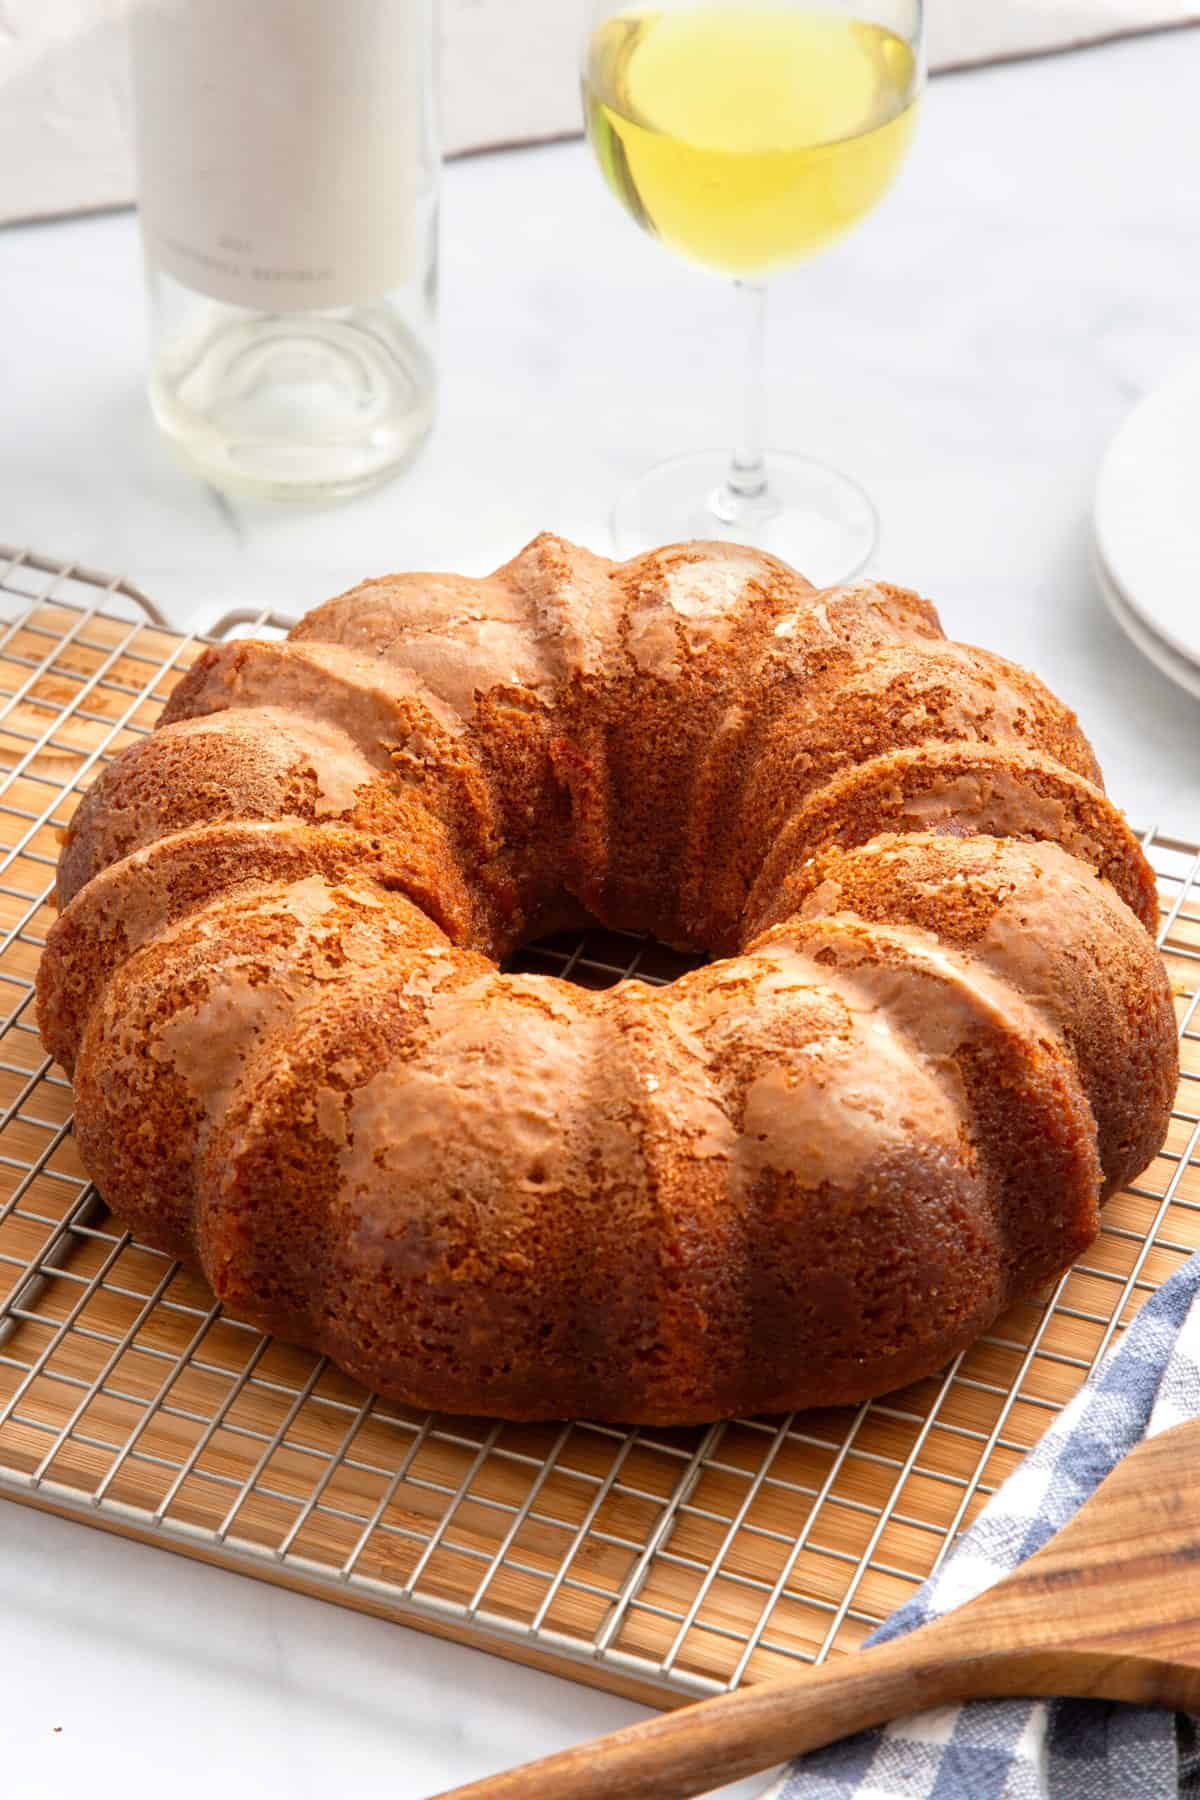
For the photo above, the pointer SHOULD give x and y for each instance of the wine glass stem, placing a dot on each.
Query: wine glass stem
(747, 477)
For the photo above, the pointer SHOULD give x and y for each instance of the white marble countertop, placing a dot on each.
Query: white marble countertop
(967, 355)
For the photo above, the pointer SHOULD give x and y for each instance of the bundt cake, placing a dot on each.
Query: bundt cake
(935, 1035)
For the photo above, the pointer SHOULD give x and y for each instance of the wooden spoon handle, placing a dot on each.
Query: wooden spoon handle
(700, 1747)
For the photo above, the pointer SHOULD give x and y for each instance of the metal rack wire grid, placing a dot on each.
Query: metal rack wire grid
(667, 1564)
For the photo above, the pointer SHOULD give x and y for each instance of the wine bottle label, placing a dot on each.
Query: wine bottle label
(282, 145)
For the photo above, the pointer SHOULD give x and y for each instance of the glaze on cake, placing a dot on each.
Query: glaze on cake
(937, 1031)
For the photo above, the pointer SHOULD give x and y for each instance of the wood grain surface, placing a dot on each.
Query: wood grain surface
(1109, 1608)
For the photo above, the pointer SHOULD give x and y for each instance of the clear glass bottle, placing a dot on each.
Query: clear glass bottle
(288, 175)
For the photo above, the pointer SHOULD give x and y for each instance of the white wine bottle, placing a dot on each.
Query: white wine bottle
(288, 178)
(748, 137)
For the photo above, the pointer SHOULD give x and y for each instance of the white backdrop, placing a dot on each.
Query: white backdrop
(508, 77)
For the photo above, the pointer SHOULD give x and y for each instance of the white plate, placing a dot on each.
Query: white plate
(1147, 513)
(1180, 669)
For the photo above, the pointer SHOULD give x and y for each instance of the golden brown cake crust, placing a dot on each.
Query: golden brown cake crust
(936, 1034)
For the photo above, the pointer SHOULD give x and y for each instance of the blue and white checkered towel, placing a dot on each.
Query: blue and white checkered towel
(1040, 1749)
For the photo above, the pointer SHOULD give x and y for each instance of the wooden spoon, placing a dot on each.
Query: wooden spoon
(1109, 1608)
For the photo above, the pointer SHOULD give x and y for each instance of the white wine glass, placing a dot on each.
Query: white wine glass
(747, 135)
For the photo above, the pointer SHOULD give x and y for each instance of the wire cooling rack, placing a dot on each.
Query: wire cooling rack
(666, 1564)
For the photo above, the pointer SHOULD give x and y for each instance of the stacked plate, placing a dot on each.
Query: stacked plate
(1147, 527)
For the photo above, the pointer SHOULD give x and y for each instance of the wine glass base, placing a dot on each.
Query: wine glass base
(811, 516)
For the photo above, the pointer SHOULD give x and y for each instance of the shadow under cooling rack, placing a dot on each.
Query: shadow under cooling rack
(664, 1564)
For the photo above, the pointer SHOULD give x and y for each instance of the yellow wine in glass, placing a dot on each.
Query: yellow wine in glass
(746, 140)
(747, 137)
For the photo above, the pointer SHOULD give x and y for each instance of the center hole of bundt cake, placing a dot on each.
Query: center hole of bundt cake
(597, 957)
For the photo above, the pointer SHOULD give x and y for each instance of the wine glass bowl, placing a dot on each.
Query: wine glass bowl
(748, 135)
